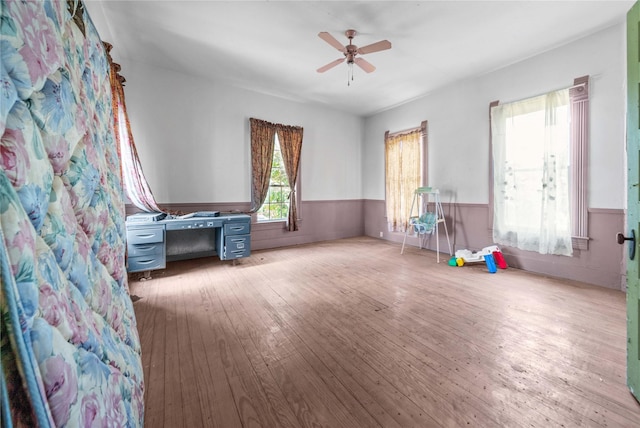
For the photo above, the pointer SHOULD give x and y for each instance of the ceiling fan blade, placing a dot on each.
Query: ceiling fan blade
(365, 65)
(331, 40)
(330, 65)
(375, 47)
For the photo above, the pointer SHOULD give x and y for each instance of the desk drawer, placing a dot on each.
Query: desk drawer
(147, 235)
(241, 242)
(237, 228)
(141, 263)
(145, 249)
(236, 247)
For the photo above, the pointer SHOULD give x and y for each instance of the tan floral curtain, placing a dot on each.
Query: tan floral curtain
(291, 146)
(135, 183)
(262, 142)
(403, 176)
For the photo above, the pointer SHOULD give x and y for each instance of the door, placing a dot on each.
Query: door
(633, 203)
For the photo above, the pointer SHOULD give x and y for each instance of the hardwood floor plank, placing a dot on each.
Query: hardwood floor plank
(203, 384)
(255, 336)
(224, 405)
(145, 316)
(432, 355)
(399, 369)
(587, 354)
(363, 381)
(154, 375)
(260, 314)
(584, 374)
(249, 392)
(173, 410)
(187, 365)
(351, 333)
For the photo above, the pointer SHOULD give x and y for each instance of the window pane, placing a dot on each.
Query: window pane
(276, 205)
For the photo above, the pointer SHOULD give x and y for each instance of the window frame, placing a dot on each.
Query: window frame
(579, 99)
(579, 150)
(424, 155)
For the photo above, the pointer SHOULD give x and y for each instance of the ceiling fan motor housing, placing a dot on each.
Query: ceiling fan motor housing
(350, 53)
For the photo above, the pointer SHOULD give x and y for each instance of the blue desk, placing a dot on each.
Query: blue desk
(150, 244)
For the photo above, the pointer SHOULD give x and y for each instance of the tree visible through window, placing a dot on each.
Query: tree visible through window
(276, 204)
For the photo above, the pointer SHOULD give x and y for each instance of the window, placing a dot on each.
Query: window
(275, 162)
(134, 182)
(539, 179)
(405, 166)
(276, 203)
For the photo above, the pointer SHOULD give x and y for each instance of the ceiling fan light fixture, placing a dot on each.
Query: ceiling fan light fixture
(350, 53)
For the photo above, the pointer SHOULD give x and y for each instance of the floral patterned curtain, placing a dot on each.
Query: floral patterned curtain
(291, 146)
(262, 142)
(135, 183)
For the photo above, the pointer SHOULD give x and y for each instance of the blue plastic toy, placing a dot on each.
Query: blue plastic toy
(491, 263)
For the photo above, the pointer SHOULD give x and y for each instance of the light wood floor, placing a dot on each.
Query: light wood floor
(350, 333)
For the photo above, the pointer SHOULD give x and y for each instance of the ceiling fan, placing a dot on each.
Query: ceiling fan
(351, 51)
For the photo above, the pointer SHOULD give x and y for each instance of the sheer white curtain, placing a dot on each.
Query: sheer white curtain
(531, 155)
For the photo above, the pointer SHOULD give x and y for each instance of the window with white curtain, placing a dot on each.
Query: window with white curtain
(531, 143)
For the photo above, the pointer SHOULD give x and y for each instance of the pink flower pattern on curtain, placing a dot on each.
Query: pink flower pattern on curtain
(135, 184)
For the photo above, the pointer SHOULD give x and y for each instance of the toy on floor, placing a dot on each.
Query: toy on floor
(491, 255)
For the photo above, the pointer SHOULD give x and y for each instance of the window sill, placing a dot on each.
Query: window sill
(579, 243)
(270, 221)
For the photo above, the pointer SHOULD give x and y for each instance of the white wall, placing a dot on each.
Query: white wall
(193, 138)
(459, 127)
(193, 135)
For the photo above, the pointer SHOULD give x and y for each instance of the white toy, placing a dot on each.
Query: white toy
(478, 256)
(490, 255)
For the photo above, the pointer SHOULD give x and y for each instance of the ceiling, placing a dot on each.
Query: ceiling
(273, 46)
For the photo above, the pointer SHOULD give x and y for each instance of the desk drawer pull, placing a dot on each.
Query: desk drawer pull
(139, 263)
(146, 250)
(237, 228)
(145, 236)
